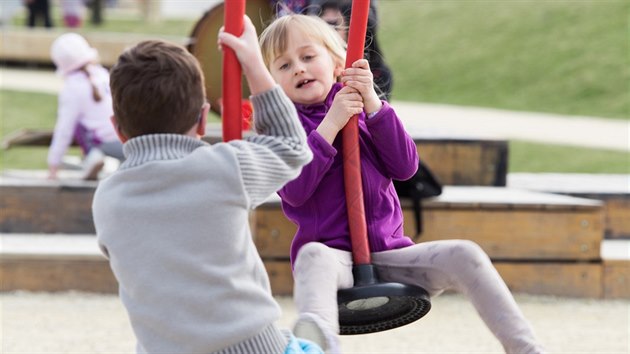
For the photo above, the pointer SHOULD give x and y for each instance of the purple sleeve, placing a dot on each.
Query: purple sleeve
(395, 147)
(299, 190)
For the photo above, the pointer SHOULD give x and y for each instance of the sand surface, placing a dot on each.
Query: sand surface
(90, 323)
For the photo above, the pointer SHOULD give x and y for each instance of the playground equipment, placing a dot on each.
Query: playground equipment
(203, 45)
(371, 305)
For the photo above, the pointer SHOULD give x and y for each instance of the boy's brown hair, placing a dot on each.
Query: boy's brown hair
(157, 88)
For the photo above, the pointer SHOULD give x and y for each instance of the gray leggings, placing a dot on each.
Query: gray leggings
(436, 266)
(113, 149)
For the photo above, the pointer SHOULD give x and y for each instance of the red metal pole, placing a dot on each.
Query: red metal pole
(232, 73)
(350, 136)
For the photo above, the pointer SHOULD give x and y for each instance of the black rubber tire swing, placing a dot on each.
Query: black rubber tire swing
(371, 305)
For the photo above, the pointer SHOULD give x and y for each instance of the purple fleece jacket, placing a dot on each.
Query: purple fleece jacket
(316, 202)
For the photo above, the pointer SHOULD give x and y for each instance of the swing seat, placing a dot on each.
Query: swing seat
(371, 306)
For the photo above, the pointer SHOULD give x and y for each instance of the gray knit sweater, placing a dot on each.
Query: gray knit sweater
(173, 222)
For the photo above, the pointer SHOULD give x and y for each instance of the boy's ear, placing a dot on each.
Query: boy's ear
(201, 126)
(123, 138)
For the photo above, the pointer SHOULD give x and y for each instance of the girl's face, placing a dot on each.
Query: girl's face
(306, 71)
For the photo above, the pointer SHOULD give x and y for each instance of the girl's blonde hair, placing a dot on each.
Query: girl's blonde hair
(96, 95)
(273, 40)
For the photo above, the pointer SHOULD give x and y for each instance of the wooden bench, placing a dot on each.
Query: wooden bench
(33, 45)
(36, 262)
(32, 204)
(540, 243)
(616, 269)
(509, 224)
(612, 190)
(454, 161)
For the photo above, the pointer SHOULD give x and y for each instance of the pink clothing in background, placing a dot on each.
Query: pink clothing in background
(77, 108)
(72, 12)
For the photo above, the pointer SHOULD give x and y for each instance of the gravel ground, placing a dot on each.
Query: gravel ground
(90, 323)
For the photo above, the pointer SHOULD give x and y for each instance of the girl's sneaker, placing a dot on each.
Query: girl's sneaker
(312, 327)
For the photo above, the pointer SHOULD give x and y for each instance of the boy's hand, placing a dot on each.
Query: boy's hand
(346, 104)
(246, 46)
(248, 53)
(360, 78)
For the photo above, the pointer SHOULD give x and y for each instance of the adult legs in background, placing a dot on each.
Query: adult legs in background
(30, 19)
(463, 266)
(36, 9)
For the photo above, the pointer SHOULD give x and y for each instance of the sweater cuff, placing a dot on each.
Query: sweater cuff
(270, 340)
(269, 105)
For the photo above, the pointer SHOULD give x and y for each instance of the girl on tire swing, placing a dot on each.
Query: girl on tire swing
(306, 58)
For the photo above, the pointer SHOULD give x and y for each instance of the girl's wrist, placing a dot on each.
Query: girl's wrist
(373, 106)
(328, 131)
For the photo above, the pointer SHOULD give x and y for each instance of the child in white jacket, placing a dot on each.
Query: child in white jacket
(84, 108)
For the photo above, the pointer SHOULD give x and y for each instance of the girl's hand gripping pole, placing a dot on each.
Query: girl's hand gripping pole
(350, 136)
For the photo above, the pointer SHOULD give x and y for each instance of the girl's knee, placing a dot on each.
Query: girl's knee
(470, 252)
(313, 254)
(312, 250)
(315, 259)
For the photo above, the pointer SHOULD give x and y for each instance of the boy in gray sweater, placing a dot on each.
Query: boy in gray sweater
(173, 220)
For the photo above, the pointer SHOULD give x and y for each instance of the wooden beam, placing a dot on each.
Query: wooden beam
(46, 206)
(617, 210)
(517, 234)
(612, 189)
(556, 278)
(507, 224)
(540, 278)
(616, 263)
(465, 162)
(40, 274)
(33, 44)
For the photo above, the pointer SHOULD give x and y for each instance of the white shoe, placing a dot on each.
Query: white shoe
(312, 327)
(71, 162)
(93, 164)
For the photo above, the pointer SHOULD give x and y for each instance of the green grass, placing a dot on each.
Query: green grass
(567, 57)
(20, 110)
(533, 157)
(559, 56)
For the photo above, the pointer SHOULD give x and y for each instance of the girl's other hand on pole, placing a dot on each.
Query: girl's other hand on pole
(361, 79)
(347, 103)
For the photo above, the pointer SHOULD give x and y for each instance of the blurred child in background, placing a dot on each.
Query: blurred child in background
(72, 12)
(84, 108)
